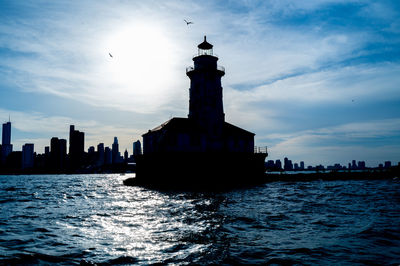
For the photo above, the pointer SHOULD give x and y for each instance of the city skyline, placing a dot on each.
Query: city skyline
(316, 81)
(58, 155)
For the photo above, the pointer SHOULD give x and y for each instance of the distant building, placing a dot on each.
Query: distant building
(47, 150)
(388, 164)
(27, 156)
(137, 148)
(115, 151)
(288, 166)
(107, 156)
(126, 155)
(270, 165)
(361, 165)
(278, 164)
(91, 150)
(6, 147)
(58, 153)
(100, 154)
(301, 165)
(76, 147)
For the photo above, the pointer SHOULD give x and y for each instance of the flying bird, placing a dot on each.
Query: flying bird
(110, 55)
(188, 22)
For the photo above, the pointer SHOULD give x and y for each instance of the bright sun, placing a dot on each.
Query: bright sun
(142, 61)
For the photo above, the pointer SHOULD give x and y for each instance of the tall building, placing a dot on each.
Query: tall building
(27, 156)
(137, 148)
(115, 151)
(288, 165)
(126, 155)
(6, 147)
(76, 147)
(278, 164)
(107, 156)
(58, 153)
(6, 137)
(100, 154)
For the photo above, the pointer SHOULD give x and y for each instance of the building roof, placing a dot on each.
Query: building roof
(205, 45)
(180, 124)
(177, 124)
(234, 130)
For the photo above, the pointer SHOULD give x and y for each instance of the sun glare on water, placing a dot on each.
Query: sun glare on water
(141, 62)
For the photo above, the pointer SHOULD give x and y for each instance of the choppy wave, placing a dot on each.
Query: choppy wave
(94, 219)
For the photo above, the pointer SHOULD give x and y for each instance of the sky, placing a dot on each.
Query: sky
(316, 81)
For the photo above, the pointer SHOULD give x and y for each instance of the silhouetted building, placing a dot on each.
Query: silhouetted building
(6, 147)
(301, 165)
(27, 156)
(100, 154)
(14, 161)
(137, 148)
(288, 166)
(388, 164)
(278, 164)
(47, 150)
(115, 151)
(76, 147)
(91, 150)
(270, 164)
(126, 156)
(353, 164)
(203, 144)
(361, 165)
(205, 129)
(58, 153)
(107, 156)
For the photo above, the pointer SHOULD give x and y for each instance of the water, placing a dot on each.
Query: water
(79, 219)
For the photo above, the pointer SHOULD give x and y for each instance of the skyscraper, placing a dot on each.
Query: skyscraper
(6, 147)
(115, 150)
(100, 154)
(27, 156)
(76, 147)
(6, 137)
(137, 148)
(107, 156)
(58, 153)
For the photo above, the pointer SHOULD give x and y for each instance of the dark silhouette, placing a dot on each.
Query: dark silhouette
(110, 55)
(188, 22)
(202, 150)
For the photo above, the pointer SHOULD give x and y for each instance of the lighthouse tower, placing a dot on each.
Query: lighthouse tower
(203, 150)
(205, 103)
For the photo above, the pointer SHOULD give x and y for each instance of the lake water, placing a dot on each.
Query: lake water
(87, 219)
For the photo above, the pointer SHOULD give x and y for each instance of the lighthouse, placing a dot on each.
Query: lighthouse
(205, 103)
(203, 145)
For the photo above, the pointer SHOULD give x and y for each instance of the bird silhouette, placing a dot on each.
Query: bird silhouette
(188, 22)
(110, 55)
